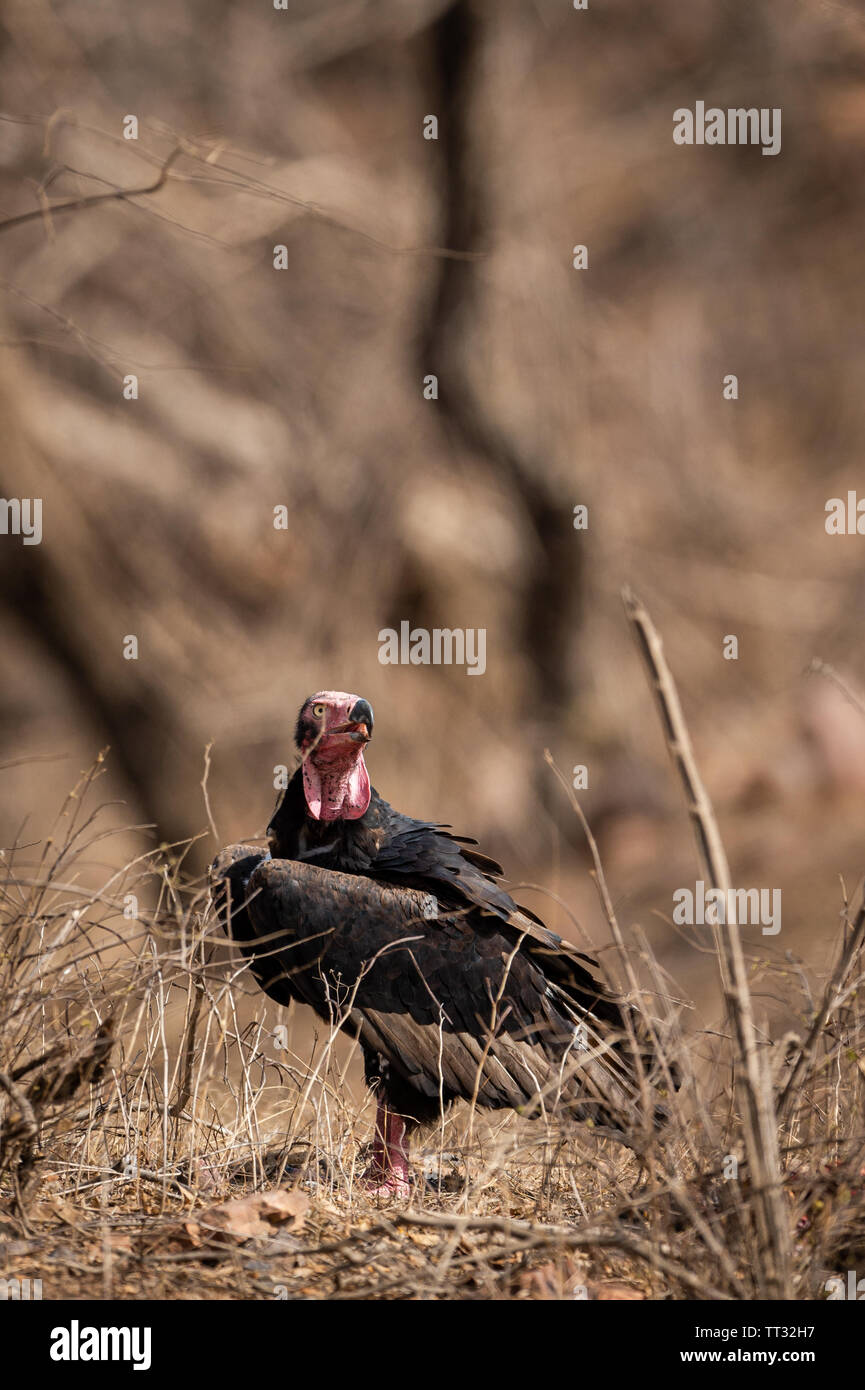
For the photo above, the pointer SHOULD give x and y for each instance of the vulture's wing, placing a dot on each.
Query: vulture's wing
(428, 857)
(230, 875)
(456, 1010)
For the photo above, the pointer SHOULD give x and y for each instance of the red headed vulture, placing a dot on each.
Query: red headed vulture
(401, 932)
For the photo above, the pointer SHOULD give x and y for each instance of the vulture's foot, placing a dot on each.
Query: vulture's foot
(388, 1187)
(389, 1174)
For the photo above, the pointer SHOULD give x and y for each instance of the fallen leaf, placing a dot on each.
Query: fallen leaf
(615, 1290)
(257, 1215)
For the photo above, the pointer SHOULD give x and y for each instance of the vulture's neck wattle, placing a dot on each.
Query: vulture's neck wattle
(336, 790)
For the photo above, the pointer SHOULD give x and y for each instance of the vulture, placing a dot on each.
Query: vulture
(401, 933)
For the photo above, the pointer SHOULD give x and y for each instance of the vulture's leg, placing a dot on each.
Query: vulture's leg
(388, 1175)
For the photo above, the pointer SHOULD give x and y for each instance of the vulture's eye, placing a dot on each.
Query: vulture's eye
(318, 711)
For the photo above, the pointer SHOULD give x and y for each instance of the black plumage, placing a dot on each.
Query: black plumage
(401, 931)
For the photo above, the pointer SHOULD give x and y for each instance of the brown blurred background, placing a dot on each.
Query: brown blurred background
(304, 387)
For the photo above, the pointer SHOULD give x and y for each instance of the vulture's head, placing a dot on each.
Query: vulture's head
(333, 729)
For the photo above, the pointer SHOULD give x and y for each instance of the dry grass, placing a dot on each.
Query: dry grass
(149, 1177)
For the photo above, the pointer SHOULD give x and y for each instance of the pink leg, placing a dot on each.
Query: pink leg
(389, 1175)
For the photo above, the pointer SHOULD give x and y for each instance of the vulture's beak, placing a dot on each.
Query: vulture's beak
(358, 732)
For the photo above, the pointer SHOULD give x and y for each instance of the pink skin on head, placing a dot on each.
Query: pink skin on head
(335, 779)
